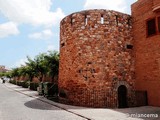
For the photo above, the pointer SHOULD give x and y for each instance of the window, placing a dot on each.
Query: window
(129, 21)
(151, 27)
(129, 46)
(71, 21)
(159, 24)
(86, 20)
(102, 19)
(117, 19)
(63, 44)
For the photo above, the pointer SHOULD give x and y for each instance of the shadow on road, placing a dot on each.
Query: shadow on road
(37, 104)
(129, 113)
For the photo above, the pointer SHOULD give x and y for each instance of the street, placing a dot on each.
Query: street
(17, 106)
(17, 103)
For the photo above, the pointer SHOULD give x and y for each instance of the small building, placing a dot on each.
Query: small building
(2, 68)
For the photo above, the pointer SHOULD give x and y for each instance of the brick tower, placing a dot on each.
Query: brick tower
(96, 60)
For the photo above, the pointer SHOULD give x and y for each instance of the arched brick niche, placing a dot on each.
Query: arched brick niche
(95, 54)
(131, 100)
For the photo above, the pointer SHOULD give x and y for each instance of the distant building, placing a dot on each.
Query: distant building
(3, 69)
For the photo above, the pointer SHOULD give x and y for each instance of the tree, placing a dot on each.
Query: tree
(52, 61)
(22, 71)
(30, 69)
(2, 74)
(41, 66)
(15, 72)
(8, 74)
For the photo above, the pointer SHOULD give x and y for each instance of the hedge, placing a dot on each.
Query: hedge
(25, 84)
(12, 81)
(33, 86)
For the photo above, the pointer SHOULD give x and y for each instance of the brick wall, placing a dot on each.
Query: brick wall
(96, 58)
(147, 51)
(35, 79)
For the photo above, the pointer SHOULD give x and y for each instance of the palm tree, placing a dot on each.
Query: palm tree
(41, 66)
(30, 69)
(15, 72)
(52, 61)
(22, 71)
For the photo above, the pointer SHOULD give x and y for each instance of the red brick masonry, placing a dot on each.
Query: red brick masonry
(96, 57)
(102, 50)
(147, 49)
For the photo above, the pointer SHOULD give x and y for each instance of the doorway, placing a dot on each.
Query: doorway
(122, 97)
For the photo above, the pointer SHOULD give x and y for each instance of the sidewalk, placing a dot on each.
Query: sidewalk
(149, 112)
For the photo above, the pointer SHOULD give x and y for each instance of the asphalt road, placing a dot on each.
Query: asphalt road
(17, 106)
(17, 103)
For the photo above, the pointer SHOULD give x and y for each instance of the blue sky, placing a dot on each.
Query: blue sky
(30, 27)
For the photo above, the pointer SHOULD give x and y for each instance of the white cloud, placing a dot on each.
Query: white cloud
(45, 34)
(21, 62)
(35, 12)
(50, 48)
(118, 5)
(9, 28)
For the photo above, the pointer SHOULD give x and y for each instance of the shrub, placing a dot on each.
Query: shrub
(62, 94)
(25, 84)
(33, 86)
(12, 81)
(41, 89)
(20, 83)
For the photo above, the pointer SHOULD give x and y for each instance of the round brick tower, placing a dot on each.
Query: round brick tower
(96, 62)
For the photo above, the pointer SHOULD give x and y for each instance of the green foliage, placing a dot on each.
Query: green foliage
(13, 82)
(15, 72)
(52, 60)
(19, 83)
(2, 74)
(6, 74)
(50, 89)
(24, 84)
(41, 89)
(33, 86)
(42, 65)
(30, 68)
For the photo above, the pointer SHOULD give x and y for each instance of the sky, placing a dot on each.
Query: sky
(31, 27)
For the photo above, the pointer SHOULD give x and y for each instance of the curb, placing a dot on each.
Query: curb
(48, 102)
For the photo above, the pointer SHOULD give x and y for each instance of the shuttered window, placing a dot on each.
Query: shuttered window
(151, 27)
(159, 24)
